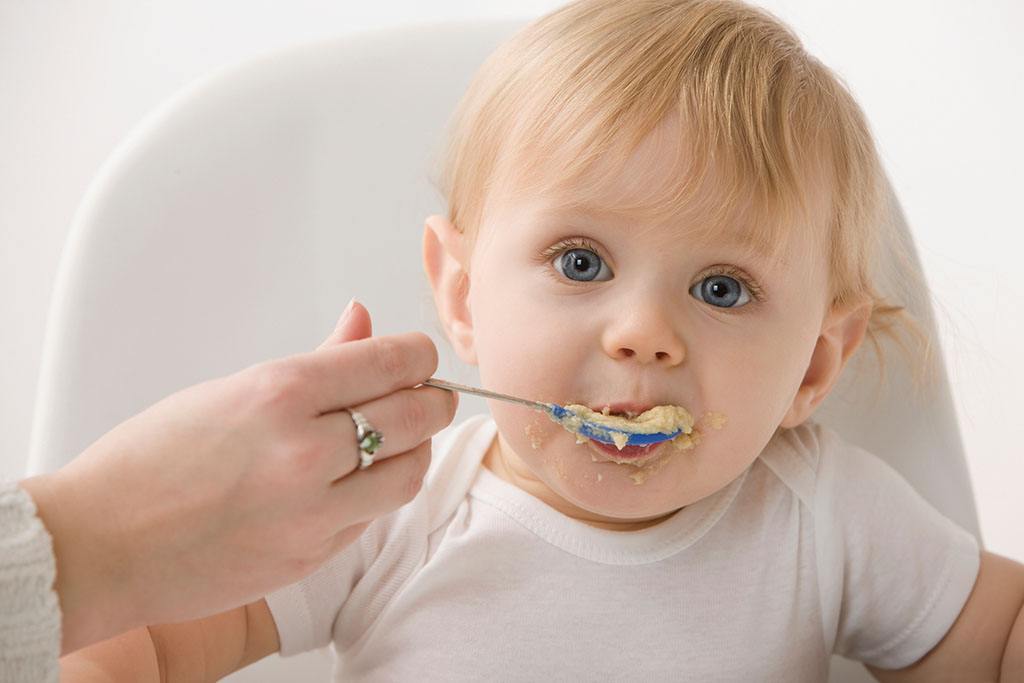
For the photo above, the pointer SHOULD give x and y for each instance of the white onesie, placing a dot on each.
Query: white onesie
(818, 547)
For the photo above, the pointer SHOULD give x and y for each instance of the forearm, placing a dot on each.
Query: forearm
(1012, 668)
(93, 609)
(195, 651)
(130, 656)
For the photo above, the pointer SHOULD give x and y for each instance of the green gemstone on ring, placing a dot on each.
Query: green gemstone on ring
(370, 443)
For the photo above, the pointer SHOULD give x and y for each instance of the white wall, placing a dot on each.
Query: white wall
(941, 83)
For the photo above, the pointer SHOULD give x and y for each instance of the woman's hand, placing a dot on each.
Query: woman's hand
(229, 489)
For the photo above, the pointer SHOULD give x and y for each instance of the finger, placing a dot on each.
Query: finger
(353, 324)
(358, 371)
(406, 418)
(380, 489)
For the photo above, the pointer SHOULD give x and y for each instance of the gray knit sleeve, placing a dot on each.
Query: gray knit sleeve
(30, 619)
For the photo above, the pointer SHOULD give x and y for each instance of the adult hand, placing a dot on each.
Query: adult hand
(229, 489)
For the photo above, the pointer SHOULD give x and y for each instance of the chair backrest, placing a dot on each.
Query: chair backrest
(237, 220)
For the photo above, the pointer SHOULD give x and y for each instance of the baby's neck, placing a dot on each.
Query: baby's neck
(503, 463)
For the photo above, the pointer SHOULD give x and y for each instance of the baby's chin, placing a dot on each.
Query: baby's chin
(616, 492)
(679, 474)
(584, 476)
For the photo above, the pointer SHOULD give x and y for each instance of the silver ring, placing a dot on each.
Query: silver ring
(368, 439)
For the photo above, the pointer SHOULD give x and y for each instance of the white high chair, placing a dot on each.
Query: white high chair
(236, 221)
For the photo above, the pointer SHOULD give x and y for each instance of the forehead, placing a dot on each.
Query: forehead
(662, 186)
(689, 228)
(557, 213)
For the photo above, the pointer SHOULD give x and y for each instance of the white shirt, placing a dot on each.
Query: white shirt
(818, 547)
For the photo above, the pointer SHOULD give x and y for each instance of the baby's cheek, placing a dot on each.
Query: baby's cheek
(522, 428)
(530, 434)
(536, 433)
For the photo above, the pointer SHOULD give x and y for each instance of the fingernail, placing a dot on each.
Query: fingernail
(348, 311)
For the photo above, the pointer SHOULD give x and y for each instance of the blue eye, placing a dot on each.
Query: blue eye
(721, 291)
(582, 265)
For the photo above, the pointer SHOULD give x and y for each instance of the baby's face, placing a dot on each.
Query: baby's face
(601, 311)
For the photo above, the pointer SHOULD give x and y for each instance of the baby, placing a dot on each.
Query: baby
(652, 203)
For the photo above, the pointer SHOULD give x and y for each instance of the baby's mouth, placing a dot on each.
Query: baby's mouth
(638, 418)
(652, 417)
(626, 410)
(615, 424)
(632, 455)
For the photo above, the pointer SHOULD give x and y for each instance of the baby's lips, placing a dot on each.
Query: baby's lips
(627, 408)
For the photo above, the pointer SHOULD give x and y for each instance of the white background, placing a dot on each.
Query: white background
(941, 84)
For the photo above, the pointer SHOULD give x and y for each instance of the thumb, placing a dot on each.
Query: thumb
(353, 324)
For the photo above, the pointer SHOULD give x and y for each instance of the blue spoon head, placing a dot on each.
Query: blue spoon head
(558, 412)
(604, 434)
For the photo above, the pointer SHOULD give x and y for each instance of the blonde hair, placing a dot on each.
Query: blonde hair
(756, 117)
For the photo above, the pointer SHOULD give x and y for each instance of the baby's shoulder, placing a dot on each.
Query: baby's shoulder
(812, 458)
(456, 454)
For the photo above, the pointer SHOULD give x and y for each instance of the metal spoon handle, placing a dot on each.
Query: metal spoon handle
(452, 386)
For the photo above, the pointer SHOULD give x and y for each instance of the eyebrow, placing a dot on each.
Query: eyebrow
(730, 239)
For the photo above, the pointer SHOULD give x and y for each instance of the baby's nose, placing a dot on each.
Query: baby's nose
(645, 336)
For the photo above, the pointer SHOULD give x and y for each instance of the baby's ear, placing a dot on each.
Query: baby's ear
(841, 333)
(446, 262)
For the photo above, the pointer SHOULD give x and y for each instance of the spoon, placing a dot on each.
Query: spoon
(591, 430)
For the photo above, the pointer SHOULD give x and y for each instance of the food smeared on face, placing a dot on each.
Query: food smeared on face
(659, 419)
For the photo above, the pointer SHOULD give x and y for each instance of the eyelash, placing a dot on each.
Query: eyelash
(566, 245)
(569, 243)
(755, 290)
